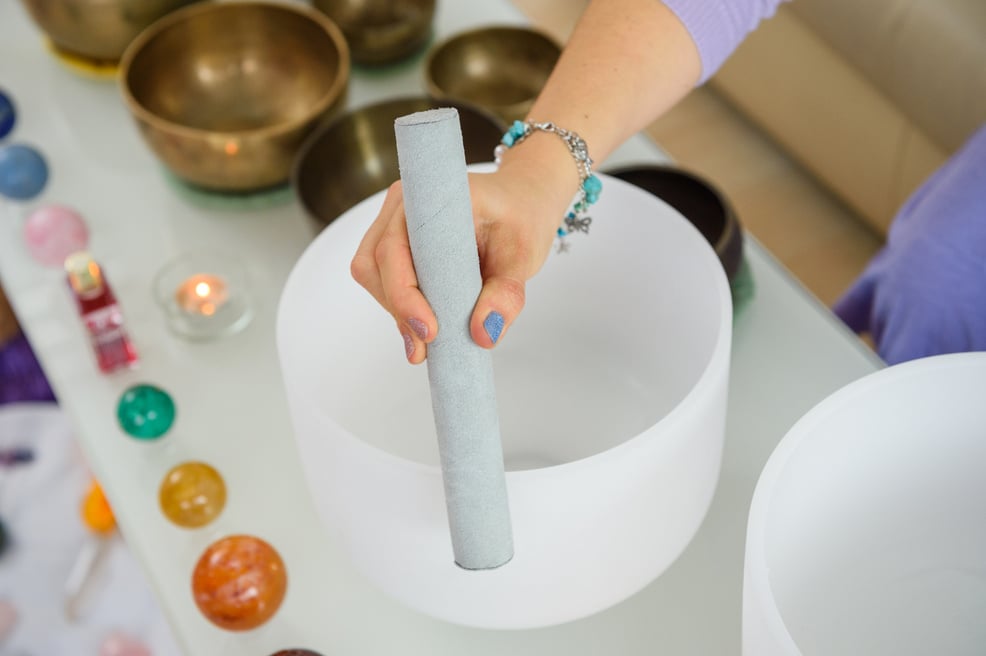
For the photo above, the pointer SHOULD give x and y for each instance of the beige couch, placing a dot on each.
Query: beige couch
(869, 95)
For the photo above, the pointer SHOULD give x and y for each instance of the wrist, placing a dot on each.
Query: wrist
(589, 188)
(548, 171)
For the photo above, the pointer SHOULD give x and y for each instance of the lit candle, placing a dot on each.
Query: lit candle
(201, 294)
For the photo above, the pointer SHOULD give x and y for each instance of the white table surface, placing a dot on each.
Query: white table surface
(788, 353)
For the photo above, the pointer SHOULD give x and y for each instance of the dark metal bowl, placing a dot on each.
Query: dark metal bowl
(501, 69)
(381, 31)
(226, 93)
(355, 156)
(699, 201)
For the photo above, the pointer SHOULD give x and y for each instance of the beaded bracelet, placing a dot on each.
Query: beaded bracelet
(577, 219)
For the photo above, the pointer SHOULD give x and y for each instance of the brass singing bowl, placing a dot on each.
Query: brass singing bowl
(98, 30)
(226, 93)
(501, 69)
(381, 31)
(699, 201)
(355, 156)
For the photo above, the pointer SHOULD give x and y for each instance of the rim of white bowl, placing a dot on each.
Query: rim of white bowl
(755, 557)
(718, 359)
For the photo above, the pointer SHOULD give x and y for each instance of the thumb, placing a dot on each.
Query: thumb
(499, 303)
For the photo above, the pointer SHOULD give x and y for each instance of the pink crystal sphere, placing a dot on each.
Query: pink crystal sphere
(53, 232)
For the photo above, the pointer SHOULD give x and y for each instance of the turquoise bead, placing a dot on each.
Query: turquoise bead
(146, 412)
(507, 140)
(518, 128)
(592, 185)
(591, 197)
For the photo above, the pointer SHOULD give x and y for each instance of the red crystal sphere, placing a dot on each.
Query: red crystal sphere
(239, 582)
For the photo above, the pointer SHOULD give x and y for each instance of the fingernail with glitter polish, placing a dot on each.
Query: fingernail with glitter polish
(419, 327)
(408, 345)
(493, 325)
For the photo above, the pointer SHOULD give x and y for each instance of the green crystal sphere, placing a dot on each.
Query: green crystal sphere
(146, 412)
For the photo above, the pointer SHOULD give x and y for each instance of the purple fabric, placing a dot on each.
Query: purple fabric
(719, 26)
(925, 292)
(21, 377)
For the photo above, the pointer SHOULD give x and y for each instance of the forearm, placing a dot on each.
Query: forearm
(626, 62)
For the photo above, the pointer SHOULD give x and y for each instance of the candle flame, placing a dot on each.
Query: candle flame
(202, 289)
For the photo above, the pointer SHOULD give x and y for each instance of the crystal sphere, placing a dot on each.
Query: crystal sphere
(8, 115)
(192, 494)
(53, 232)
(96, 511)
(146, 412)
(23, 172)
(121, 644)
(239, 582)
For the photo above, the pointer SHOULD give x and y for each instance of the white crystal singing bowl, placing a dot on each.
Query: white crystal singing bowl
(611, 389)
(867, 530)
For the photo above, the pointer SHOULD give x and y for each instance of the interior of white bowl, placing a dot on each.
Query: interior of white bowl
(867, 532)
(614, 335)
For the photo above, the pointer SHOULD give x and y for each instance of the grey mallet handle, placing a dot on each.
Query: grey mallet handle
(443, 247)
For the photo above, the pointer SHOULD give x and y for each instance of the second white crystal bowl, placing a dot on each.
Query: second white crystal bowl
(867, 531)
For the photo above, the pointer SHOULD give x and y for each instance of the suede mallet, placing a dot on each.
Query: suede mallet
(443, 247)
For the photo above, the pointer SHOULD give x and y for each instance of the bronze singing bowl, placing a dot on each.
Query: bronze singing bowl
(698, 201)
(98, 30)
(381, 31)
(501, 69)
(356, 155)
(226, 93)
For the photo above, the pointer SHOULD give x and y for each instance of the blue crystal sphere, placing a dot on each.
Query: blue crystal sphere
(23, 172)
(7, 115)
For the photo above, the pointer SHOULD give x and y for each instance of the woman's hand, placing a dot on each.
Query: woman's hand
(516, 210)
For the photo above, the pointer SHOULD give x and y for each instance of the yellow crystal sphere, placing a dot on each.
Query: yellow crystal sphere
(192, 494)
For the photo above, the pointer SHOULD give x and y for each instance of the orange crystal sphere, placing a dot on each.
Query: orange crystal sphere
(192, 494)
(239, 582)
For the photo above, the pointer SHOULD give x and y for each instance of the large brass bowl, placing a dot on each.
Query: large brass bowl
(381, 31)
(356, 155)
(501, 69)
(226, 93)
(97, 29)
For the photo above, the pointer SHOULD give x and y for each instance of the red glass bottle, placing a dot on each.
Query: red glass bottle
(100, 313)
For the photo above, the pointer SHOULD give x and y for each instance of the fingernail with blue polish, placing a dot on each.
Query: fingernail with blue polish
(493, 325)
(408, 345)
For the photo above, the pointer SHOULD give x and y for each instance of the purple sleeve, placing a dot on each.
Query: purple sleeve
(719, 26)
(925, 292)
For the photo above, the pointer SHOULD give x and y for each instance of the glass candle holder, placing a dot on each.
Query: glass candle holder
(204, 295)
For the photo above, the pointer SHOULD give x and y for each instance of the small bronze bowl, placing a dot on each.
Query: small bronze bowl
(501, 69)
(381, 31)
(356, 155)
(699, 202)
(226, 93)
(97, 30)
